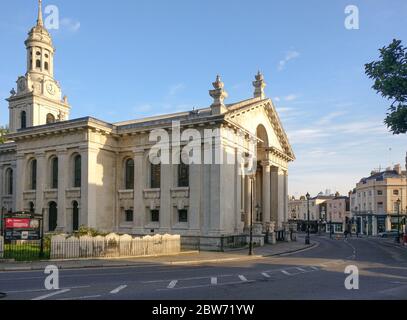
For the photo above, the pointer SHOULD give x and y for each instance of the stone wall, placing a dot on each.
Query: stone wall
(113, 245)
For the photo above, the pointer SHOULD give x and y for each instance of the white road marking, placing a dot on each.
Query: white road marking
(118, 289)
(315, 268)
(301, 269)
(52, 294)
(81, 298)
(265, 275)
(172, 284)
(243, 278)
(41, 290)
(286, 273)
(214, 281)
(206, 285)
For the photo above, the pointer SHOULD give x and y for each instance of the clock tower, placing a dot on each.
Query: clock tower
(38, 99)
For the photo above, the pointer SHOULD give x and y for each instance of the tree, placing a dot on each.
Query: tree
(3, 132)
(390, 80)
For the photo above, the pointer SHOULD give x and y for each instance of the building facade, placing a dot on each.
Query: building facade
(338, 214)
(379, 202)
(298, 212)
(98, 174)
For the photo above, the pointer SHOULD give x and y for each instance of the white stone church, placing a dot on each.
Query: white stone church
(98, 174)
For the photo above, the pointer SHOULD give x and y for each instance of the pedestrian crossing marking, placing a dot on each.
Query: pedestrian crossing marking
(243, 278)
(172, 284)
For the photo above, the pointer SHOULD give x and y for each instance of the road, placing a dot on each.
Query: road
(317, 273)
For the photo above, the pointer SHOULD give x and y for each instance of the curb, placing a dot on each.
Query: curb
(165, 263)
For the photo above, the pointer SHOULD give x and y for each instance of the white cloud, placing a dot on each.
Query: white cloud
(290, 97)
(329, 117)
(70, 24)
(176, 88)
(290, 55)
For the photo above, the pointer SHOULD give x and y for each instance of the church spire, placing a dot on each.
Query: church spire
(40, 22)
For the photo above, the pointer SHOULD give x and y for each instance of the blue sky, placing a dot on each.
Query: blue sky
(124, 59)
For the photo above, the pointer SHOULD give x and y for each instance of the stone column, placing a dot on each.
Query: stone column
(139, 186)
(247, 202)
(374, 226)
(266, 193)
(275, 194)
(286, 197)
(63, 176)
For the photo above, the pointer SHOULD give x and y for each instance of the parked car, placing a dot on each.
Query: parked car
(389, 234)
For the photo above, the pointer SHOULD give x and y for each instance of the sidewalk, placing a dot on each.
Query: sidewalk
(185, 258)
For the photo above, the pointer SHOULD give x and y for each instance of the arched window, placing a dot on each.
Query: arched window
(183, 174)
(38, 64)
(9, 181)
(75, 216)
(77, 171)
(54, 173)
(155, 182)
(23, 120)
(33, 177)
(46, 65)
(32, 207)
(52, 216)
(129, 174)
(50, 118)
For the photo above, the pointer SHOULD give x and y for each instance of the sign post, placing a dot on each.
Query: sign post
(22, 226)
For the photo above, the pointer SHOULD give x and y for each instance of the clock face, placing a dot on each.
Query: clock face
(50, 88)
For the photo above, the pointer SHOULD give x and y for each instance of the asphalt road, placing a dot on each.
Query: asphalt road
(317, 273)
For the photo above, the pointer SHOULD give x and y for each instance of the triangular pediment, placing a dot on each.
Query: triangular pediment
(250, 113)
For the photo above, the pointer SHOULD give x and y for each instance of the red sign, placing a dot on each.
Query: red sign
(17, 223)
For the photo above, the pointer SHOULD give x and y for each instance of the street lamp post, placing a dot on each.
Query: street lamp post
(307, 238)
(398, 220)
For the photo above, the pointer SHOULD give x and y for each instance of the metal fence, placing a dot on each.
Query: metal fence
(26, 250)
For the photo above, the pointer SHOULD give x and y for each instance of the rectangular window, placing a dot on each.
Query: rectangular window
(379, 192)
(129, 215)
(155, 215)
(183, 175)
(155, 176)
(183, 215)
(395, 192)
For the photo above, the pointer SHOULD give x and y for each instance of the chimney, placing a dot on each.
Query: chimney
(397, 168)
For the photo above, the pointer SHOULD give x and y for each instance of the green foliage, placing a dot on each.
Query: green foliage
(390, 80)
(3, 132)
(86, 231)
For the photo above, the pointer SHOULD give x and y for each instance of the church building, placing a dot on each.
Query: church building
(98, 174)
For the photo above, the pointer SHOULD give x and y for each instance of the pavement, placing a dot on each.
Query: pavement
(184, 258)
(316, 272)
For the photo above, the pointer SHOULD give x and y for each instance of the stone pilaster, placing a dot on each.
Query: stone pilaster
(139, 185)
(20, 182)
(41, 180)
(63, 176)
(195, 180)
(165, 200)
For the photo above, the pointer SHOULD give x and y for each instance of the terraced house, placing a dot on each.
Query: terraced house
(98, 174)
